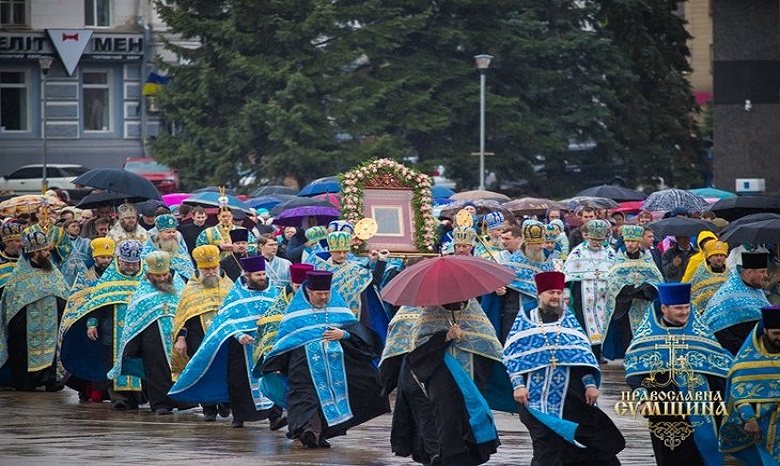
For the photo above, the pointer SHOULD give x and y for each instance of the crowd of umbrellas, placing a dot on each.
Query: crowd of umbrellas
(753, 218)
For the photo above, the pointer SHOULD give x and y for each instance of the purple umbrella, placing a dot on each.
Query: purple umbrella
(294, 217)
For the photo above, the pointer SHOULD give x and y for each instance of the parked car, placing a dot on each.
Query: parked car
(29, 178)
(164, 178)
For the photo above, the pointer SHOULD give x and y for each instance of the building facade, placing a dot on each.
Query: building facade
(88, 107)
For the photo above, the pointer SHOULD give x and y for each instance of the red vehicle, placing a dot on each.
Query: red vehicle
(164, 178)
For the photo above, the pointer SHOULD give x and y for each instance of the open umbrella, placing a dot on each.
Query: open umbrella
(629, 207)
(334, 199)
(670, 199)
(479, 194)
(275, 189)
(680, 226)
(97, 199)
(616, 193)
(712, 192)
(268, 201)
(531, 206)
(329, 184)
(441, 192)
(294, 216)
(765, 231)
(175, 198)
(299, 202)
(445, 280)
(118, 180)
(482, 206)
(28, 204)
(588, 201)
(211, 199)
(736, 207)
(214, 189)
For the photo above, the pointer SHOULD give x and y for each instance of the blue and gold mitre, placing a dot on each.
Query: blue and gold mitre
(339, 241)
(551, 232)
(464, 235)
(130, 250)
(158, 262)
(316, 233)
(533, 232)
(598, 229)
(494, 220)
(341, 225)
(632, 232)
(11, 232)
(165, 222)
(34, 240)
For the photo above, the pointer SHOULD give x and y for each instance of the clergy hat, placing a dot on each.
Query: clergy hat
(754, 260)
(130, 250)
(316, 233)
(671, 294)
(771, 316)
(206, 256)
(341, 225)
(339, 241)
(127, 211)
(102, 247)
(34, 240)
(253, 264)
(298, 272)
(464, 235)
(238, 235)
(533, 232)
(546, 281)
(158, 262)
(551, 232)
(712, 248)
(632, 232)
(165, 222)
(494, 220)
(11, 231)
(598, 229)
(318, 280)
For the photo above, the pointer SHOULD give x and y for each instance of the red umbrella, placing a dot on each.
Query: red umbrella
(445, 280)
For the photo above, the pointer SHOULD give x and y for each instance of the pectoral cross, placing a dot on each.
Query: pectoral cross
(553, 362)
(672, 343)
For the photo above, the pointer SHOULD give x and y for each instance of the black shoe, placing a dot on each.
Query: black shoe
(121, 405)
(54, 387)
(323, 443)
(223, 410)
(210, 417)
(278, 423)
(83, 397)
(237, 424)
(309, 439)
(163, 411)
(603, 361)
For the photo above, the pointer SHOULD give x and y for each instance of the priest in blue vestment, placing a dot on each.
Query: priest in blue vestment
(555, 377)
(326, 356)
(675, 357)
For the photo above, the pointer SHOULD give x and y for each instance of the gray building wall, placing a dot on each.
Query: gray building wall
(746, 54)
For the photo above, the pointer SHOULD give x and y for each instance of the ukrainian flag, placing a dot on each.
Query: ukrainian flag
(154, 83)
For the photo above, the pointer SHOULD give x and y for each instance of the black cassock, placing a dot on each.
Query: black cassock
(413, 430)
(365, 394)
(457, 444)
(733, 337)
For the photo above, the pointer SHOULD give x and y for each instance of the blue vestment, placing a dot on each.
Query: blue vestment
(734, 303)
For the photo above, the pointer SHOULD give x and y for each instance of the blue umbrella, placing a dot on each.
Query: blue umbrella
(329, 184)
(441, 192)
(269, 201)
(211, 199)
(275, 189)
(712, 192)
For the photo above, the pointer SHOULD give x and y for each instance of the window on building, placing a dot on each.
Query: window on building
(95, 102)
(97, 13)
(13, 101)
(13, 13)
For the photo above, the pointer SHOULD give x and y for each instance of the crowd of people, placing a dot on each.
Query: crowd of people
(227, 312)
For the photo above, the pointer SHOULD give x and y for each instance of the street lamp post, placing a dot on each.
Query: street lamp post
(483, 62)
(45, 64)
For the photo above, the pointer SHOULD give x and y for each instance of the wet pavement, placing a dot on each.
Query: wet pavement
(54, 428)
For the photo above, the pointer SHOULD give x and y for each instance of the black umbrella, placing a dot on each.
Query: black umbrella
(765, 231)
(98, 199)
(680, 226)
(752, 218)
(616, 193)
(214, 189)
(118, 180)
(275, 189)
(590, 201)
(299, 202)
(737, 207)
